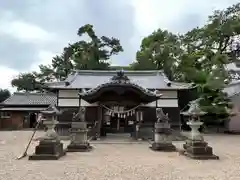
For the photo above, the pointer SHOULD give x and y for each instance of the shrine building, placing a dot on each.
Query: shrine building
(116, 101)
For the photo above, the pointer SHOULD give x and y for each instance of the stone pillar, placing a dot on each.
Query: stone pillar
(162, 132)
(138, 125)
(50, 147)
(195, 147)
(95, 130)
(162, 139)
(98, 124)
(79, 140)
(100, 119)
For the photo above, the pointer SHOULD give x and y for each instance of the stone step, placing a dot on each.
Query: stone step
(117, 142)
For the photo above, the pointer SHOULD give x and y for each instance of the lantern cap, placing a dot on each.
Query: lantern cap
(52, 109)
(194, 109)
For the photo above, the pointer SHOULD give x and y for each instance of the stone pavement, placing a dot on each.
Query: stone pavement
(119, 161)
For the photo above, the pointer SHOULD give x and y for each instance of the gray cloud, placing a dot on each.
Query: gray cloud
(187, 22)
(16, 55)
(63, 18)
(111, 18)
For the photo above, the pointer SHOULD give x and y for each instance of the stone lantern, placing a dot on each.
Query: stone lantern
(50, 147)
(79, 139)
(195, 147)
(162, 139)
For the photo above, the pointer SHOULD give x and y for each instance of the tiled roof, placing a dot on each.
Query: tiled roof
(232, 89)
(120, 81)
(89, 79)
(232, 66)
(22, 109)
(31, 99)
(235, 98)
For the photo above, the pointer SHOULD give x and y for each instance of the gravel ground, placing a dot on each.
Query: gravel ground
(119, 161)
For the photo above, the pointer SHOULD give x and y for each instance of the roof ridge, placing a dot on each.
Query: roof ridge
(235, 94)
(112, 71)
(31, 93)
(6, 99)
(91, 78)
(68, 80)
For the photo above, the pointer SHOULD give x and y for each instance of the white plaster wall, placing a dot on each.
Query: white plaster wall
(68, 102)
(168, 94)
(234, 123)
(73, 100)
(73, 103)
(68, 93)
(233, 89)
(164, 103)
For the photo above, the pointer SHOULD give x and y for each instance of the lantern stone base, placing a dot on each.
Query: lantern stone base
(165, 147)
(79, 147)
(48, 150)
(198, 150)
(162, 139)
(79, 138)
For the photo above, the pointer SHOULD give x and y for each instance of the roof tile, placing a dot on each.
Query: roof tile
(92, 78)
(31, 99)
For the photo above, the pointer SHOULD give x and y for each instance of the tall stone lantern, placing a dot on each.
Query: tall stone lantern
(79, 140)
(162, 132)
(195, 147)
(50, 147)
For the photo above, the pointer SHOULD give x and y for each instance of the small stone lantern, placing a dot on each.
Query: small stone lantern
(162, 139)
(195, 147)
(50, 147)
(79, 139)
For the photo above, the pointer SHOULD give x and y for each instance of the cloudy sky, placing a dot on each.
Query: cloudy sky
(33, 31)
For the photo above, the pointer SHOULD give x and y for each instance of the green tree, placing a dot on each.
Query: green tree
(160, 50)
(83, 54)
(208, 50)
(27, 82)
(199, 56)
(94, 54)
(143, 62)
(62, 65)
(4, 94)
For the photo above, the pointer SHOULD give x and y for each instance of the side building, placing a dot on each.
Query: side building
(233, 91)
(21, 109)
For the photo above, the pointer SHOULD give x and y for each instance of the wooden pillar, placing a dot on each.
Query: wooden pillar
(100, 118)
(118, 124)
(137, 126)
